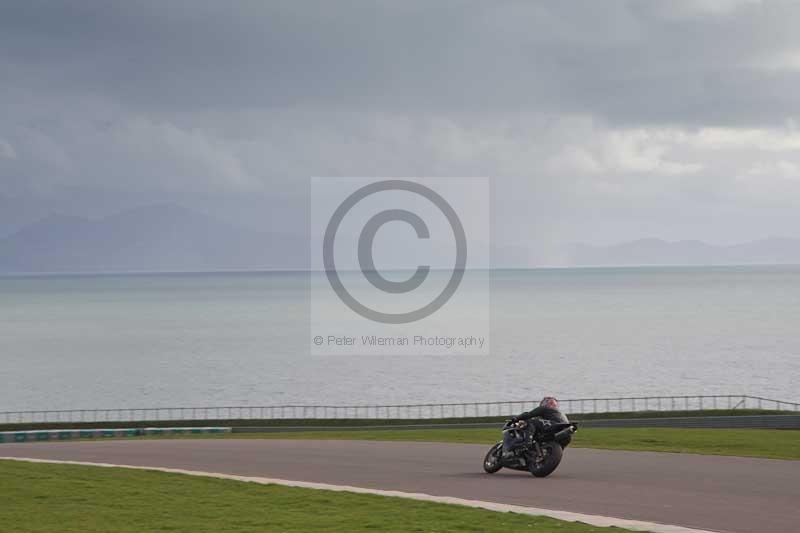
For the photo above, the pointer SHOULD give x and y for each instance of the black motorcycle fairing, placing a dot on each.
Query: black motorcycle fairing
(536, 447)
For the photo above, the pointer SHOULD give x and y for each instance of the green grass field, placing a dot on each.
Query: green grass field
(769, 443)
(332, 422)
(766, 443)
(50, 497)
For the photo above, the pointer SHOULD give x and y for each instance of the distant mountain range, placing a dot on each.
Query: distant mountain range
(164, 237)
(654, 252)
(169, 237)
(659, 252)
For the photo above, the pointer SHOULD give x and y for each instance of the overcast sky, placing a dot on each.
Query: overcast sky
(599, 121)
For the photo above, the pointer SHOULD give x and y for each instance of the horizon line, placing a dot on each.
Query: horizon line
(43, 274)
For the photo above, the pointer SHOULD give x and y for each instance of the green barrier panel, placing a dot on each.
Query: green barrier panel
(66, 434)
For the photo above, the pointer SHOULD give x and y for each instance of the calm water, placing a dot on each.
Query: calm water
(208, 339)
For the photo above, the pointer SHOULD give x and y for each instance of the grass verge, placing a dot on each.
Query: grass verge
(322, 422)
(51, 497)
(768, 443)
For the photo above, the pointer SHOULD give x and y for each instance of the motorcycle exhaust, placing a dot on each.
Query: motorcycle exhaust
(564, 433)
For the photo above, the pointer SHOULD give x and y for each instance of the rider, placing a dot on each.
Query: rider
(544, 414)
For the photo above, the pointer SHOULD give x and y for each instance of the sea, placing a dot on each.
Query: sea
(241, 339)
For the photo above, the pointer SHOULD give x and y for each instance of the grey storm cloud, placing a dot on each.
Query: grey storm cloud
(630, 62)
(600, 121)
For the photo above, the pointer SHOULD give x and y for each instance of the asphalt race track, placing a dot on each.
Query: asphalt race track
(718, 493)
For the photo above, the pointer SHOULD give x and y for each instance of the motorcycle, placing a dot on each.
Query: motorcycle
(538, 450)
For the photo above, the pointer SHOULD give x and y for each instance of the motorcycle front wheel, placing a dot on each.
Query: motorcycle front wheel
(491, 463)
(545, 464)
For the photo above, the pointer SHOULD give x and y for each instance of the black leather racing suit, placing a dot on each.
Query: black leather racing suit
(545, 413)
(538, 415)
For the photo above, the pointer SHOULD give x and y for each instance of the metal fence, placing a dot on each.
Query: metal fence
(399, 412)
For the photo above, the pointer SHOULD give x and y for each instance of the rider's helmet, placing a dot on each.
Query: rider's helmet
(550, 402)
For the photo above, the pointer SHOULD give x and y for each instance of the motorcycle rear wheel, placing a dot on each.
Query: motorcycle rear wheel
(491, 463)
(553, 452)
